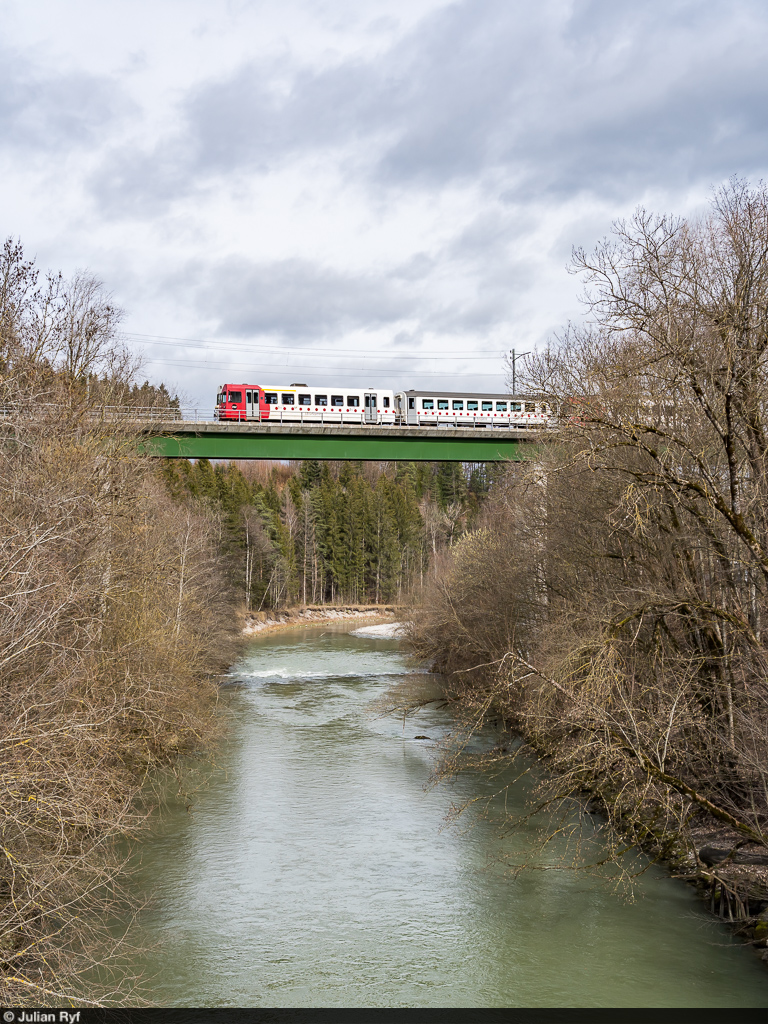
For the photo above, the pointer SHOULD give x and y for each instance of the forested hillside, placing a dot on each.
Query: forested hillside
(319, 532)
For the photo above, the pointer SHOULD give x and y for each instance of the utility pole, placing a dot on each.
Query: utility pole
(513, 358)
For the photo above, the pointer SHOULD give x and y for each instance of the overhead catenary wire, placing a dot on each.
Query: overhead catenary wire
(167, 341)
(301, 367)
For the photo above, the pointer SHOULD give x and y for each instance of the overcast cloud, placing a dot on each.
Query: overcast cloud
(334, 188)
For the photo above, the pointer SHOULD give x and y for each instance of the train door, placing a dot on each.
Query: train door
(252, 404)
(371, 410)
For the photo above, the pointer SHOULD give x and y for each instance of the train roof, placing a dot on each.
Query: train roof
(506, 396)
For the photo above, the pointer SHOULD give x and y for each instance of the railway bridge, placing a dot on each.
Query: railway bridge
(190, 439)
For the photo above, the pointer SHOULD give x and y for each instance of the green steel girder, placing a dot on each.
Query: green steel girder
(256, 441)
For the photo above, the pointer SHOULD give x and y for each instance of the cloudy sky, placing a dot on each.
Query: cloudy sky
(368, 191)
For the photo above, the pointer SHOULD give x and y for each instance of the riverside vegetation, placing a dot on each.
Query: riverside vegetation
(612, 604)
(121, 583)
(114, 620)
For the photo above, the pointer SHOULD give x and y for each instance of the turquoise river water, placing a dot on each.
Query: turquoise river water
(315, 868)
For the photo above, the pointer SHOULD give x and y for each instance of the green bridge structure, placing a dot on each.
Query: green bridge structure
(219, 440)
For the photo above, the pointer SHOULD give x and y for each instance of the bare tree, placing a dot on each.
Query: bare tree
(622, 616)
(112, 607)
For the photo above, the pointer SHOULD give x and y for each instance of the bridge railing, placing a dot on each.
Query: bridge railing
(116, 413)
(189, 414)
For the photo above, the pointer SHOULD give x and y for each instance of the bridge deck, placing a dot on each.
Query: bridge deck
(193, 440)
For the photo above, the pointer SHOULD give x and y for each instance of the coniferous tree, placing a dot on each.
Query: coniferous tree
(323, 532)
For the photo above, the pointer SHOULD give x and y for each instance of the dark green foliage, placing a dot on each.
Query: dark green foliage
(319, 532)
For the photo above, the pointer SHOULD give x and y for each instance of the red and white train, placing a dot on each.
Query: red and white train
(326, 404)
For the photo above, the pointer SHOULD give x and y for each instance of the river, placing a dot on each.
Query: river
(313, 868)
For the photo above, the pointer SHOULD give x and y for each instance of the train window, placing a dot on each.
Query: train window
(530, 407)
(236, 396)
(442, 403)
(471, 406)
(501, 406)
(249, 397)
(337, 400)
(457, 406)
(353, 401)
(427, 403)
(270, 397)
(515, 406)
(386, 401)
(487, 406)
(411, 403)
(288, 399)
(544, 408)
(305, 399)
(321, 399)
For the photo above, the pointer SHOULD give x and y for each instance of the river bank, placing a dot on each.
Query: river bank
(257, 623)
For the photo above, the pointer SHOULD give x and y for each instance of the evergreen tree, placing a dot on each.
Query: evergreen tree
(320, 532)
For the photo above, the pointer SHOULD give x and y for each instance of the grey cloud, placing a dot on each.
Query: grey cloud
(614, 98)
(417, 268)
(45, 112)
(305, 302)
(293, 298)
(606, 98)
(142, 184)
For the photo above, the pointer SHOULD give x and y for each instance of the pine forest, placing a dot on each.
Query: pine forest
(325, 532)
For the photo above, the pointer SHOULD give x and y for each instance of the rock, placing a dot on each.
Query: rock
(711, 855)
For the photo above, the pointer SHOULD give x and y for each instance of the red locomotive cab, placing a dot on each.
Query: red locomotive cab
(221, 403)
(235, 404)
(239, 402)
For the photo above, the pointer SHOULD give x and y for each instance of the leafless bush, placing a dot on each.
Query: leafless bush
(617, 596)
(112, 626)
